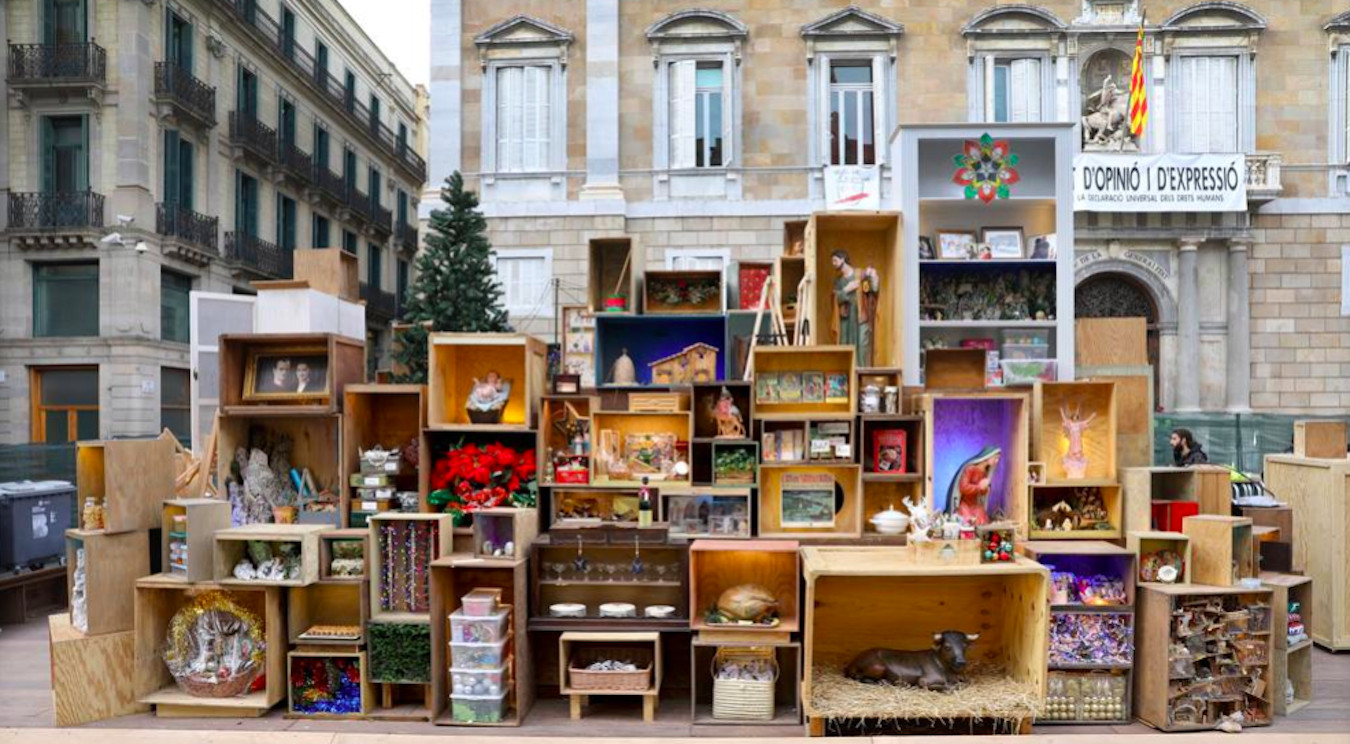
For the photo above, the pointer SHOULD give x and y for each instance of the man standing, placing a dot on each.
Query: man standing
(1185, 450)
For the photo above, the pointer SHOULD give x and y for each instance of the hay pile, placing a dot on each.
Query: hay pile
(987, 693)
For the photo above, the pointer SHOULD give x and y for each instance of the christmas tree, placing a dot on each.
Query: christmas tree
(455, 288)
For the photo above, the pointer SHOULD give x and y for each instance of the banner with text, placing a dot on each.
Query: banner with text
(1122, 182)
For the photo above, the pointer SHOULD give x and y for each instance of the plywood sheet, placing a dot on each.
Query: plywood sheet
(1111, 341)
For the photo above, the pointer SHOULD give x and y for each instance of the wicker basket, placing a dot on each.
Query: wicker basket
(581, 679)
(737, 700)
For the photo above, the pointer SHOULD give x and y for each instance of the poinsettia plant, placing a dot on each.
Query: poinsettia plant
(468, 478)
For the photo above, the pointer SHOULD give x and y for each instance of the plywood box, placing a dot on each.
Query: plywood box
(1050, 443)
(1144, 543)
(112, 564)
(358, 657)
(955, 369)
(1111, 342)
(326, 604)
(1206, 485)
(345, 359)
(615, 267)
(388, 416)
(440, 531)
(232, 546)
(872, 240)
(845, 522)
(1135, 407)
(1042, 499)
(326, 540)
(329, 271)
(718, 565)
(610, 434)
(202, 519)
(639, 645)
(1319, 493)
(456, 360)
(89, 674)
(772, 363)
(129, 478)
(315, 441)
(1221, 548)
(653, 303)
(1320, 439)
(494, 528)
(1291, 662)
(958, 427)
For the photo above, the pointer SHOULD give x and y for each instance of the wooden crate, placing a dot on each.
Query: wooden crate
(653, 304)
(1206, 485)
(315, 438)
(1292, 662)
(367, 703)
(390, 416)
(1086, 558)
(442, 529)
(331, 272)
(915, 450)
(609, 433)
(451, 579)
(555, 412)
(658, 346)
(1136, 402)
(847, 520)
(1111, 342)
(455, 360)
(1153, 638)
(326, 604)
(787, 691)
(497, 526)
(1040, 498)
(957, 426)
(1146, 542)
(1320, 439)
(1049, 443)
(748, 274)
(158, 598)
(675, 402)
(231, 546)
(772, 362)
(326, 540)
(204, 518)
(129, 478)
(955, 369)
(593, 588)
(582, 505)
(346, 365)
(700, 511)
(568, 643)
(788, 272)
(77, 660)
(112, 564)
(1319, 493)
(871, 239)
(729, 478)
(718, 565)
(860, 598)
(1221, 548)
(613, 262)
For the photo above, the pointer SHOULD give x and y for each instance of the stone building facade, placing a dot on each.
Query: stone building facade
(150, 149)
(582, 119)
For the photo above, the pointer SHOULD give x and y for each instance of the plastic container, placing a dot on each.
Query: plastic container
(1026, 336)
(1018, 352)
(479, 681)
(34, 517)
(1028, 371)
(480, 602)
(478, 708)
(478, 655)
(466, 628)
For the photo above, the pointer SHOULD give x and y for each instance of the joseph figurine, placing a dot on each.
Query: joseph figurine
(855, 299)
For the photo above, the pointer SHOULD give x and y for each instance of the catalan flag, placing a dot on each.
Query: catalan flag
(1138, 91)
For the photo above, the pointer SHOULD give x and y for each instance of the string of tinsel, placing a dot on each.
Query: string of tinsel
(410, 560)
(330, 686)
(178, 652)
(387, 578)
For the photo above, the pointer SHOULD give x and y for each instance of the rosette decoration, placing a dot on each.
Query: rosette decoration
(985, 169)
(215, 647)
(328, 686)
(468, 478)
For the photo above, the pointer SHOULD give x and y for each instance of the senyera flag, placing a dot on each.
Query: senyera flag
(1138, 91)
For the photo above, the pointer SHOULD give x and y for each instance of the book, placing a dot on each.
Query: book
(789, 387)
(836, 388)
(813, 387)
(770, 447)
(766, 387)
(890, 451)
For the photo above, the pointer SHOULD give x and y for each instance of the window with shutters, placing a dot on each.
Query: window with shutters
(1206, 107)
(65, 154)
(401, 285)
(286, 119)
(1210, 88)
(174, 289)
(851, 91)
(523, 101)
(286, 222)
(287, 32)
(374, 266)
(699, 102)
(321, 157)
(246, 204)
(321, 64)
(349, 241)
(178, 41)
(1016, 90)
(65, 21)
(373, 184)
(349, 90)
(349, 172)
(852, 117)
(525, 276)
(65, 299)
(320, 231)
(246, 95)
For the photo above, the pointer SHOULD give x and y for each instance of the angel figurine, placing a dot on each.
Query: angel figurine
(730, 425)
(1075, 460)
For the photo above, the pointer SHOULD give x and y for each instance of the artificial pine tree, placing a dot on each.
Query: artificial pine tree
(456, 288)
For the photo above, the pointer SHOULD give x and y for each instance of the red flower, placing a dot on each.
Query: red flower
(506, 458)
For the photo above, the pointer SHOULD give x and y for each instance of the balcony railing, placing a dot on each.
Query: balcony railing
(381, 219)
(269, 33)
(330, 184)
(297, 163)
(405, 236)
(177, 221)
(47, 64)
(359, 204)
(381, 304)
(258, 255)
(55, 211)
(187, 93)
(253, 136)
(1263, 175)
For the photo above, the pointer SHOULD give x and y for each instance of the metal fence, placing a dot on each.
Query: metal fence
(1240, 440)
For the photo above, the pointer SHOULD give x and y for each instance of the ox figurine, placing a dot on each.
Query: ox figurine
(936, 669)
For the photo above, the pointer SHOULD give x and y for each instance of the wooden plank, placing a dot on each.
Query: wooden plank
(331, 272)
(112, 564)
(129, 478)
(1318, 491)
(1320, 439)
(77, 660)
(1102, 342)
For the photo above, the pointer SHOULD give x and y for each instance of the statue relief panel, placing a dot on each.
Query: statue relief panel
(1105, 83)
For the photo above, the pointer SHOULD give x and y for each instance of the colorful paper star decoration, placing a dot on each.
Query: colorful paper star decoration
(985, 169)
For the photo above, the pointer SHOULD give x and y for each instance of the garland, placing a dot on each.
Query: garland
(328, 686)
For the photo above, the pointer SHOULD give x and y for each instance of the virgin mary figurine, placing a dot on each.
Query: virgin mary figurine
(968, 494)
(855, 298)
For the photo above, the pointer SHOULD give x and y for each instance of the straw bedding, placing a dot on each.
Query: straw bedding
(987, 693)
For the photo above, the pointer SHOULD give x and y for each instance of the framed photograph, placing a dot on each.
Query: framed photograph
(813, 387)
(1044, 247)
(287, 374)
(926, 252)
(956, 244)
(1004, 242)
(807, 500)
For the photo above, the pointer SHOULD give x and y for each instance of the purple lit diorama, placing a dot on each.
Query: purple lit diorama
(966, 431)
(648, 338)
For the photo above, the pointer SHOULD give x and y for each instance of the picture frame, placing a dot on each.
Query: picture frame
(956, 245)
(789, 387)
(1004, 242)
(1043, 247)
(807, 501)
(766, 387)
(566, 384)
(813, 387)
(890, 451)
(926, 251)
(836, 388)
(297, 374)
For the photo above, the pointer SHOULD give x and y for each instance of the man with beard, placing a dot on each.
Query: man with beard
(1185, 450)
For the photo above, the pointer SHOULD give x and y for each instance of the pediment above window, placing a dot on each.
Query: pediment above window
(1215, 17)
(1340, 23)
(852, 21)
(524, 35)
(1013, 20)
(697, 30)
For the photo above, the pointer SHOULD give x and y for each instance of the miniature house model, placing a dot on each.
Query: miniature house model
(696, 363)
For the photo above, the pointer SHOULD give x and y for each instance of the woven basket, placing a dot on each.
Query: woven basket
(737, 700)
(579, 678)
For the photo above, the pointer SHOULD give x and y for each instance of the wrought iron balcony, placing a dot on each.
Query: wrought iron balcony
(55, 211)
(380, 304)
(330, 185)
(258, 255)
(177, 221)
(381, 219)
(57, 65)
(296, 163)
(1263, 176)
(188, 96)
(359, 205)
(253, 137)
(405, 237)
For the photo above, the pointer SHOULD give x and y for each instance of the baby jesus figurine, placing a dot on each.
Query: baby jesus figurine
(488, 394)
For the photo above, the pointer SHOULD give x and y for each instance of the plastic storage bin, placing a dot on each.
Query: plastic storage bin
(480, 602)
(479, 681)
(1018, 352)
(478, 655)
(478, 629)
(34, 517)
(478, 708)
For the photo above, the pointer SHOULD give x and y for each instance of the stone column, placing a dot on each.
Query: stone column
(1188, 326)
(1239, 327)
(602, 101)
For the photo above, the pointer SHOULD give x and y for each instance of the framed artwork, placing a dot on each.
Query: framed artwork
(807, 501)
(1044, 247)
(789, 387)
(1004, 242)
(836, 387)
(926, 252)
(813, 387)
(578, 352)
(956, 244)
(766, 387)
(292, 373)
